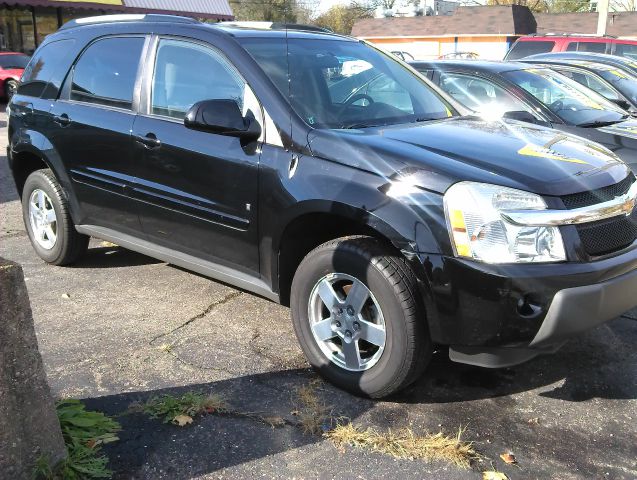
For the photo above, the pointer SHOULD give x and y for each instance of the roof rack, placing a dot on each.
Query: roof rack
(557, 34)
(276, 26)
(127, 17)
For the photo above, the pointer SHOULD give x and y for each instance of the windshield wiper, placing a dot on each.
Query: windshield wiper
(599, 123)
(354, 126)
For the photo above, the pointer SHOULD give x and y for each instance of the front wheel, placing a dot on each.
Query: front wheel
(359, 318)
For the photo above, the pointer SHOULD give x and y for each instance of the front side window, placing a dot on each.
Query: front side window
(622, 80)
(346, 84)
(186, 73)
(626, 50)
(524, 49)
(106, 72)
(481, 95)
(588, 80)
(573, 103)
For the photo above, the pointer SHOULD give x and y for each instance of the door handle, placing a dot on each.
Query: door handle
(149, 140)
(62, 120)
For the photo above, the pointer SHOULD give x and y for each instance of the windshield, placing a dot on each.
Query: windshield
(346, 84)
(623, 81)
(572, 102)
(11, 61)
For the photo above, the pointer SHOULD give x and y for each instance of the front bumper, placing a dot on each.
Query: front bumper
(498, 316)
(573, 311)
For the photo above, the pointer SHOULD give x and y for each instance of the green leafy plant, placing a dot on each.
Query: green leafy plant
(172, 409)
(84, 433)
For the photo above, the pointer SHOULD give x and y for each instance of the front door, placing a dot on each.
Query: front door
(92, 132)
(198, 189)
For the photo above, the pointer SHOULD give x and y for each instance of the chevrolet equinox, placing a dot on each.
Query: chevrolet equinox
(320, 172)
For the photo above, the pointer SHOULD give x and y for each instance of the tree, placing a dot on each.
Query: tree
(341, 18)
(285, 11)
(567, 6)
(534, 5)
(623, 5)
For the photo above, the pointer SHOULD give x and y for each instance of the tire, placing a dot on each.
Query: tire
(10, 87)
(392, 288)
(69, 245)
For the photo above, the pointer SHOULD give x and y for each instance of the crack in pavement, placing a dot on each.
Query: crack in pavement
(628, 317)
(206, 311)
(277, 361)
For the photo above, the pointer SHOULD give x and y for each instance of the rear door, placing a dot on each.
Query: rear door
(198, 190)
(92, 123)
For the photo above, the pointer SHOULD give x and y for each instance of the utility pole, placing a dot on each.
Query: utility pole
(602, 12)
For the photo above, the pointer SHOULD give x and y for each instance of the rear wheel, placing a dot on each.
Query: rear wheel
(48, 221)
(359, 318)
(10, 87)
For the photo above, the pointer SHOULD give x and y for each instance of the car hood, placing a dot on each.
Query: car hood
(443, 152)
(627, 128)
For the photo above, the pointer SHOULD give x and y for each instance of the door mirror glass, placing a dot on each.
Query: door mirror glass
(621, 103)
(222, 117)
(522, 116)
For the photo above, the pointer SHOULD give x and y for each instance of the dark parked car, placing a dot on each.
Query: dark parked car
(517, 90)
(624, 63)
(388, 222)
(11, 67)
(613, 83)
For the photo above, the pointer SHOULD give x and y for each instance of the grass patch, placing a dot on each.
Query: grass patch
(314, 415)
(406, 444)
(191, 404)
(84, 433)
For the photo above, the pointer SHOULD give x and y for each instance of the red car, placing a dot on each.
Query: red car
(12, 65)
(534, 44)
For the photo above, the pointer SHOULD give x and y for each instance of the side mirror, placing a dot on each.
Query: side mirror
(222, 117)
(521, 115)
(621, 103)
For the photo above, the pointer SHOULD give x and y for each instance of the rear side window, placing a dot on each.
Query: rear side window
(594, 47)
(626, 50)
(43, 74)
(106, 72)
(524, 49)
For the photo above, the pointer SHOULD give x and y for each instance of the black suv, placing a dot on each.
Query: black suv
(319, 172)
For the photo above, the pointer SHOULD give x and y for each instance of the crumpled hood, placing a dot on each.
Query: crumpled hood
(515, 154)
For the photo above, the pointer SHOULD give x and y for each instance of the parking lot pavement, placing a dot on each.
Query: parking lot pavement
(119, 327)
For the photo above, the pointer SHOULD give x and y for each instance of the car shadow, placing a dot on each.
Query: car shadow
(112, 257)
(594, 365)
(150, 448)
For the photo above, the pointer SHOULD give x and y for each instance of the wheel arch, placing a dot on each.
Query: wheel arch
(315, 222)
(31, 151)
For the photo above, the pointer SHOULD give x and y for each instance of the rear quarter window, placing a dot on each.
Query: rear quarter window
(44, 74)
(594, 47)
(526, 48)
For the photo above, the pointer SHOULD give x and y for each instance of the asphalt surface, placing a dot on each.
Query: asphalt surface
(120, 327)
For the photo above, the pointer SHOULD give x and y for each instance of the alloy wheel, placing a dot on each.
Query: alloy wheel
(347, 322)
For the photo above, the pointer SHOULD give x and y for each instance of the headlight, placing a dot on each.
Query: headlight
(478, 231)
